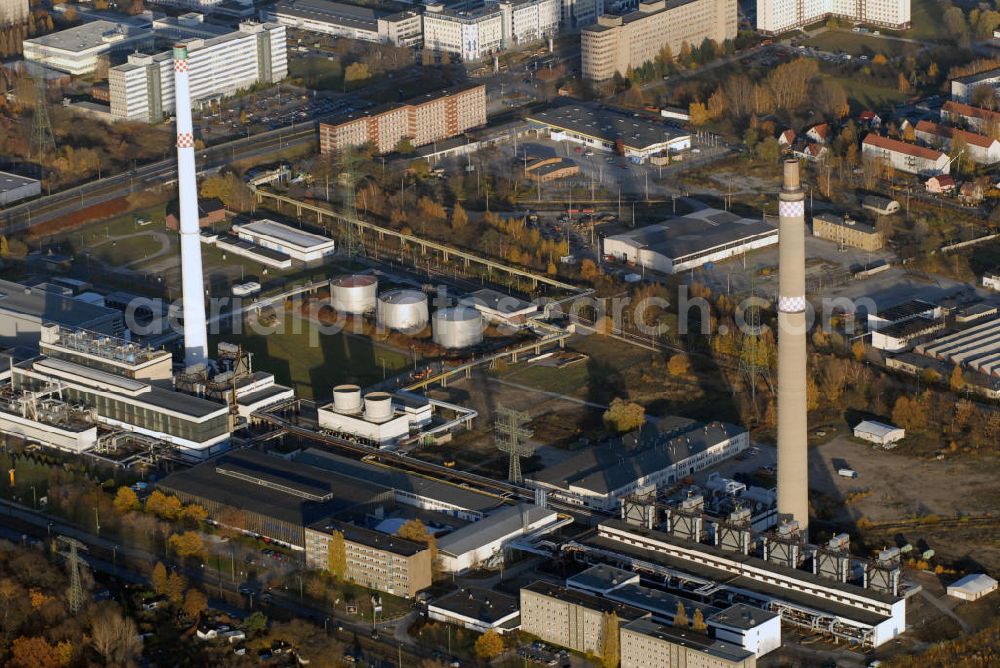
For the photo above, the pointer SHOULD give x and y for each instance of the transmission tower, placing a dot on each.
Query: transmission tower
(755, 362)
(510, 434)
(42, 139)
(76, 599)
(351, 243)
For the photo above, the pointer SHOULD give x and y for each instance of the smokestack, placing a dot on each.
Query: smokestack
(192, 278)
(793, 483)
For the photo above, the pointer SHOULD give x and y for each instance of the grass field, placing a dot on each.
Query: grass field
(863, 95)
(313, 370)
(858, 45)
(126, 251)
(91, 236)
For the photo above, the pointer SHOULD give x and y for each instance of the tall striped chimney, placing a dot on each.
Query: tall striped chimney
(192, 278)
(793, 483)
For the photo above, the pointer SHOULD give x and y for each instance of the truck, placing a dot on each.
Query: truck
(847, 473)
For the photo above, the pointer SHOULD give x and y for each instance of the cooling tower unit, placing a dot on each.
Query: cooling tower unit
(378, 407)
(458, 327)
(405, 310)
(354, 294)
(347, 399)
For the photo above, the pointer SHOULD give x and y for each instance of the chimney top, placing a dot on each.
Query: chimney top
(790, 182)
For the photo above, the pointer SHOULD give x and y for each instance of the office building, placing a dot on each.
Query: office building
(847, 232)
(76, 50)
(610, 130)
(569, 618)
(979, 148)
(297, 244)
(476, 609)
(424, 120)
(908, 158)
(646, 644)
(688, 242)
(143, 88)
(350, 21)
(24, 311)
(472, 34)
(14, 188)
(618, 43)
(371, 558)
(778, 16)
(601, 476)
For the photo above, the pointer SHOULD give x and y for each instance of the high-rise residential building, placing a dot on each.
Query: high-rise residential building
(478, 33)
(617, 43)
(143, 88)
(427, 119)
(776, 16)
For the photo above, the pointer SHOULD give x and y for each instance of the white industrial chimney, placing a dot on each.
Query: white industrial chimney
(192, 279)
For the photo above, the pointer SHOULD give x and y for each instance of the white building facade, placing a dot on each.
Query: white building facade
(905, 157)
(777, 16)
(143, 88)
(479, 33)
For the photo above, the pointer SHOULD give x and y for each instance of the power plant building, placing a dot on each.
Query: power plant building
(483, 542)
(301, 246)
(778, 16)
(381, 419)
(616, 44)
(143, 88)
(14, 188)
(645, 643)
(691, 241)
(25, 311)
(432, 117)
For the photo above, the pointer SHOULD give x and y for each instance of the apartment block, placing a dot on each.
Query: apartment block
(143, 88)
(777, 16)
(981, 149)
(847, 232)
(430, 118)
(372, 559)
(616, 43)
(569, 618)
(646, 644)
(908, 158)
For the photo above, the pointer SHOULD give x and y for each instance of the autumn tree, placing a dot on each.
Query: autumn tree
(176, 584)
(356, 72)
(160, 578)
(909, 413)
(126, 500)
(589, 270)
(193, 513)
(610, 651)
(624, 416)
(698, 622)
(163, 506)
(195, 603)
(679, 366)
(36, 652)
(489, 645)
(680, 616)
(255, 623)
(187, 544)
(858, 350)
(336, 557)
(957, 380)
(459, 219)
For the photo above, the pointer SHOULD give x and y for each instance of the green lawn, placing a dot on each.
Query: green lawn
(314, 367)
(569, 380)
(864, 95)
(126, 251)
(858, 44)
(91, 236)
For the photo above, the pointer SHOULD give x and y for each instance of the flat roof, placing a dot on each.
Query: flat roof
(337, 13)
(51, 307)
(846, 223)
(608, 124)
(10, 181)
(913, 327)
(118, 383)
(399, 480)
(605, 468)
(370, 537)
(207, 482)
(742, 616)
(484, 605)
(262, 394)
(285, 233)
(690, 639)
(601, 577)
(249, 247)
(497, 301)
(661, 603)
(907, 309)
(491, 528)
(691, 234)
(90, 35)
(626, 613)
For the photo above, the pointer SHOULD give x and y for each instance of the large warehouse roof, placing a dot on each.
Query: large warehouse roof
(695, 233)
(607, 124)
(499, 525)
(50, 306)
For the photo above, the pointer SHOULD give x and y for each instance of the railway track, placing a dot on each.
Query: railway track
(944, 523)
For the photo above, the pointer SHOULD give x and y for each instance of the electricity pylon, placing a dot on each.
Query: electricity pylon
(510, 434)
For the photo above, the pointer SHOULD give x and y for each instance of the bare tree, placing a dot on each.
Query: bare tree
(114, 637)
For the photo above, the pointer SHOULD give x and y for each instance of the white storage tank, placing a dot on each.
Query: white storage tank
(347, 399)
(354, 294)
(458, 327)
(378, 406)
(405, 310)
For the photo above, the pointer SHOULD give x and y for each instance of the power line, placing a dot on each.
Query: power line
(510, 434)
(42, 139)
(75, 594)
